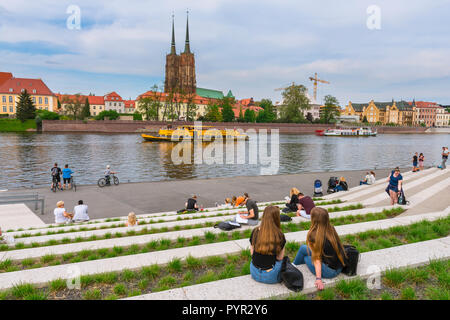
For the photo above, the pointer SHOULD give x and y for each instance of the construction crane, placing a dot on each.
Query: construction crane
(279, 89)
(316, 80)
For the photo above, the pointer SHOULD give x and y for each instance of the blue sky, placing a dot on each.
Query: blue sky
(248, 46)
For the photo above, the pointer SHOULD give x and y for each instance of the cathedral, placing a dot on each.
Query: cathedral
(180, 69)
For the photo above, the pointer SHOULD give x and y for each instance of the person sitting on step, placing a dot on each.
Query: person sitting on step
(191, 204)
(291, 206)
(61, 215)
(239, 201)
(267, 247)
(132, 220)
(252, 213)
(323, 254)
(342, 186)
(369, 178)
(304, 206)
(80, 212)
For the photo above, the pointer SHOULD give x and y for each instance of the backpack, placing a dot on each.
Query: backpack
(332, 182)
(351, 263)
(55, 171)
(285, 218)
(291, 276)
(227, 226)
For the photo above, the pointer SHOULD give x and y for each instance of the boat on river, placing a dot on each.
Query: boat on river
(348, 132)
(188, 132)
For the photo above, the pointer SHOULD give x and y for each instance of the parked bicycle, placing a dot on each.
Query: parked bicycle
(72, 184)
(107, 182)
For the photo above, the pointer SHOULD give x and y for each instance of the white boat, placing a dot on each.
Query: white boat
(350, 132)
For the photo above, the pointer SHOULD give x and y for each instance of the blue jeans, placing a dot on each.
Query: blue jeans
(304, 257)
(273, 276)
(362, 182)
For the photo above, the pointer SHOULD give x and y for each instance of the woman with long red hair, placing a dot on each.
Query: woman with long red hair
(323, 253)
(267, 247)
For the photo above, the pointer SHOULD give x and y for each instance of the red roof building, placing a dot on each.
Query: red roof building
(5, 76)
(426, 112)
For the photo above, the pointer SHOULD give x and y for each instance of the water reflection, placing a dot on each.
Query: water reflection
(26, 159)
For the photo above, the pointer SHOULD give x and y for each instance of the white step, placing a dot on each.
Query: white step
(371, 264)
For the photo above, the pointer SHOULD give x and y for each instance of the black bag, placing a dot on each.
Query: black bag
(402, 199)
(351, 263)
(285, 218)
(226, 225)
(291, 276)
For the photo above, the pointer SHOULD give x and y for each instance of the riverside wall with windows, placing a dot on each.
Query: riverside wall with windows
(126, 126)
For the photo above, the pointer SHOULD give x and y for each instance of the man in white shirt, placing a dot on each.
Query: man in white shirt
(80, 212)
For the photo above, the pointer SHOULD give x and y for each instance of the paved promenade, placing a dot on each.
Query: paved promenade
(161, 196)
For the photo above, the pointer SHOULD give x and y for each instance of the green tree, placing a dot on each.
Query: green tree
(25, 107)
(250, 115)
(295, 102)
(110, 114)
(227, 109)
(149, 107)
(330, 111)
(268, 114)
(191, 108)
(365, 119)
(73, 106)
(212, 113)
(86, 112)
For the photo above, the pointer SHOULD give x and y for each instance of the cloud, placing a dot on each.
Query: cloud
(249, 46)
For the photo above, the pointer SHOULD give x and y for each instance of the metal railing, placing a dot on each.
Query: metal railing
(22, 198)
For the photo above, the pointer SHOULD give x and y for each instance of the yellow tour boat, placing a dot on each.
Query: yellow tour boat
(188, 132)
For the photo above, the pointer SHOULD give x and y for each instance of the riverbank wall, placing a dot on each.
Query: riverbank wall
(126, 126)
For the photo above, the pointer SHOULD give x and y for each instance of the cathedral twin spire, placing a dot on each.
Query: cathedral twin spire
(187, 47)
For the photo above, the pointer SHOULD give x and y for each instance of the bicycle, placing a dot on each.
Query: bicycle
(102, 181)
(54, 184)
(73, 185)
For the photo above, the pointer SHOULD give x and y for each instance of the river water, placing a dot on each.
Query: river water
(26, 158)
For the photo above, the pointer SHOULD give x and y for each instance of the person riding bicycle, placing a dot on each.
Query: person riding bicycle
(67, 175)
(108, 173)
(56, 175)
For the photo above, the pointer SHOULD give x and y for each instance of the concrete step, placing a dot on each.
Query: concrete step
(371, 264)
(407, 175)
(382, 195)
(228, 214)
(142, 239)
(382, 182)
(41, 276)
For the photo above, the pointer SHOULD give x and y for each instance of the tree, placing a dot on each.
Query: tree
(110, 114)
(191, 107)
(73, 106)
(86, 111)
(149, 106)
(309, 117)
(268, 114)
(212, 113)
(25, 107)
(227, 110)
(330, 111)
(249, 115)
(295, 102)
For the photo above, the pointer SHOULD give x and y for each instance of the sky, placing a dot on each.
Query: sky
(251, 47)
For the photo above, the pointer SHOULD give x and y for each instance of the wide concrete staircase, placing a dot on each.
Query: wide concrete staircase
(364, 207)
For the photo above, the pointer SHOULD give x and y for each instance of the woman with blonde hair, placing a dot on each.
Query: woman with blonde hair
(323, 253)
(132, 221)
(61, 215)
(267, 247)
(291, 206)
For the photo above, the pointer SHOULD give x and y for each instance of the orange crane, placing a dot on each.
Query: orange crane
(316, 80)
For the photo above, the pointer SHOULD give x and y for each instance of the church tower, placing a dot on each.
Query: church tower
(187, 66)
(180, 69)
(172, 65)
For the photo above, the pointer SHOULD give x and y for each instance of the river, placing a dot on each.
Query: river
(26, 158)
